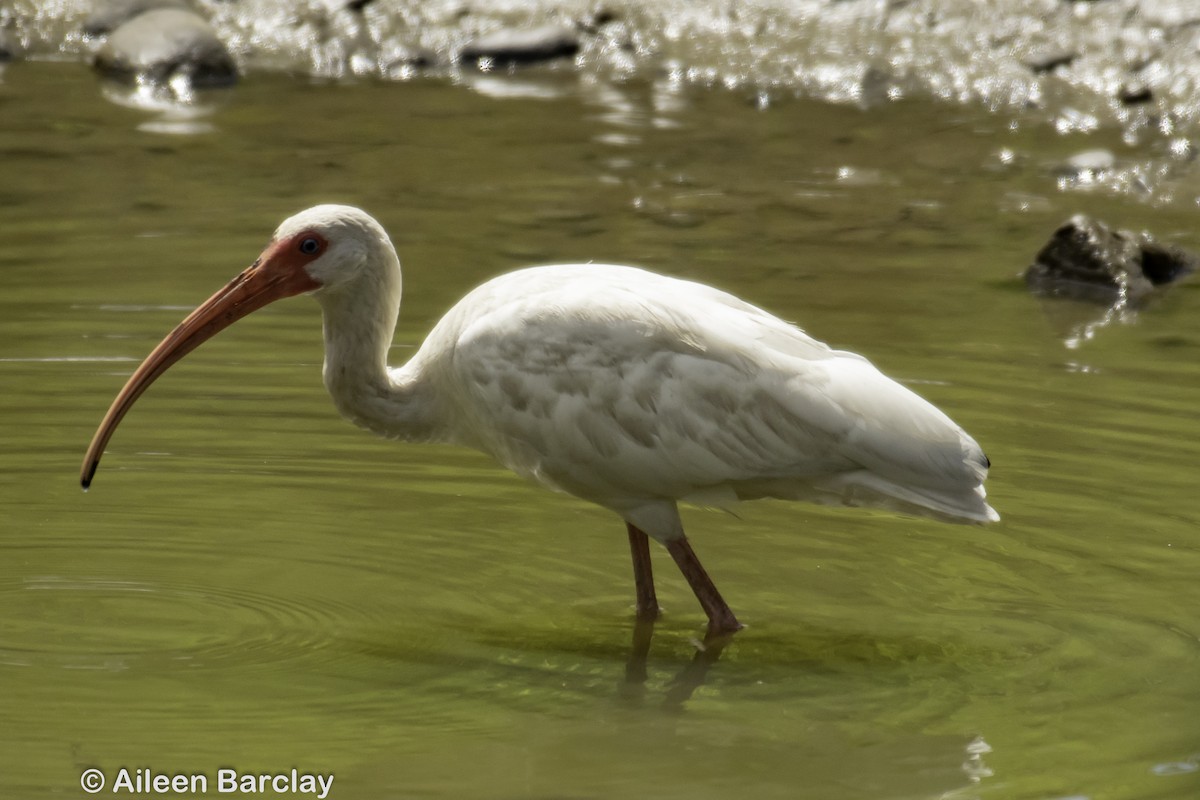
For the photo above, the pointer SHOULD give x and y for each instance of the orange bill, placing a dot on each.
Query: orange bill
(277, 274)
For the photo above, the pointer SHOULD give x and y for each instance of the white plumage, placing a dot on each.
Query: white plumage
(633, 390)
(620, 386)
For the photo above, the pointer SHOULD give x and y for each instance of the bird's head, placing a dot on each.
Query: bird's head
(321, 251)
(331, 245)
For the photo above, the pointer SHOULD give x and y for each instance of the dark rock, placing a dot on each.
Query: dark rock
(1087, 260)
(8, 46)
(410, 57)
(108, 15)
(1134, 93)
(597, 18)
(1048, 59)
(161, 44)
(875, 88)
(508, 47)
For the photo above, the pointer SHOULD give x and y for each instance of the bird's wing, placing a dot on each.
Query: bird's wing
(615, 386)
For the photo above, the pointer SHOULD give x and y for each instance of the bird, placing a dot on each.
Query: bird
(624, 387)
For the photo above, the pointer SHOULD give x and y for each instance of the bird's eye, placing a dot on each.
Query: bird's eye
(310, 246)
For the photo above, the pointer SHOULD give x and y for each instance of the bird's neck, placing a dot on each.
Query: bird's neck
(358, 333)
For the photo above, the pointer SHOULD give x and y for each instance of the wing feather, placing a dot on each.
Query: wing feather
(622, 386)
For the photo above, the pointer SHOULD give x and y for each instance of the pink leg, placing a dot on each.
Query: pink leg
(643, 574)
(720, 617)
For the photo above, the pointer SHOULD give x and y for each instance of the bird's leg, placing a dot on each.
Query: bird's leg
(720, 616)
(643, 574)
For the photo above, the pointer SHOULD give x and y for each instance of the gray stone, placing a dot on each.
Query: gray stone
(164, 43)
(596, 18)
(818, 49)
(8, 46)
(508, 47)
(108, 15)
(1049, 58)
(1134, 92)
(409, 58)
(1089, 161)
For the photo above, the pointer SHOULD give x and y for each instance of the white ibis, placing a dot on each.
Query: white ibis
(623, 387)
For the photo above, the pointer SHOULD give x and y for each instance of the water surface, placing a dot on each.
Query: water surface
(253, 583)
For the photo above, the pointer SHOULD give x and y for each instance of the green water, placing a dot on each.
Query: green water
(254, 584)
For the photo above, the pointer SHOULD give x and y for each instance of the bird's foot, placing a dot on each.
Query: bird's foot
(721, 631)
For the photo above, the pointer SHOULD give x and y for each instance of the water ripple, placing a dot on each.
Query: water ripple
(107, 624)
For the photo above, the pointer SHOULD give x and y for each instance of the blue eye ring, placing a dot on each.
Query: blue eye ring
(310, 245)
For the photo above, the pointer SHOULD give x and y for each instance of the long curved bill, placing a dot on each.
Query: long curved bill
(272, 277)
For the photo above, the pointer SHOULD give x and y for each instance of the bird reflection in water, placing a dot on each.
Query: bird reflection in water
(685, 682)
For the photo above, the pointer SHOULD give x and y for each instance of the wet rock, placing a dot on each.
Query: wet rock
(1049, 58)
(510, 47)
(108, 15)
(875, 88)
(1088, 161)
(163, 44)
(1087, 260)
(8, 46)
(596, 18)
(1001, 58)
(402, 60)
(1133, 93)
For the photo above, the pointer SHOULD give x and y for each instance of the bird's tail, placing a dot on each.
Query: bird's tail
(864, 488)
